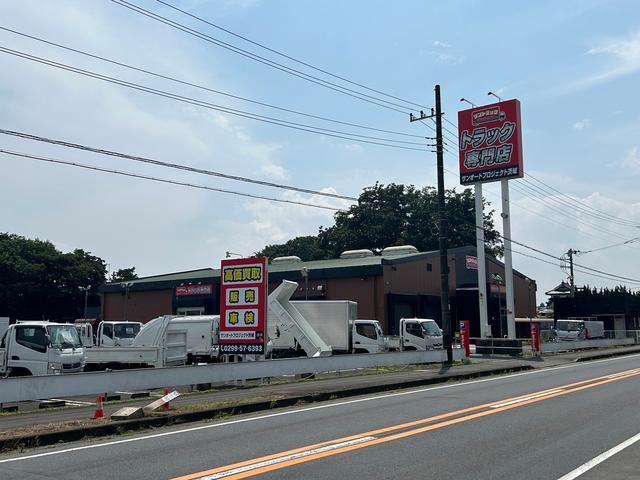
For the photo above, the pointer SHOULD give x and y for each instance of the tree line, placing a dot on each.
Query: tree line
(394, 214)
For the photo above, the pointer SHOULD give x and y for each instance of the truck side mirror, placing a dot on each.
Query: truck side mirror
(47, 338)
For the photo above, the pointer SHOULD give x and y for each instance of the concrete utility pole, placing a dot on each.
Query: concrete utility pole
(508, 263)
(442, 224)
(570, 254)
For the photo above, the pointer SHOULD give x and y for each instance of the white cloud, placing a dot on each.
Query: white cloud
(128, 222)
(354, 147)
(632, 160)
(622, 57)
(438, 43)
(582, 124)
(448, 58)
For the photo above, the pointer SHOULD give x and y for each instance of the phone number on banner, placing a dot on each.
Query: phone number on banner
(242, 348)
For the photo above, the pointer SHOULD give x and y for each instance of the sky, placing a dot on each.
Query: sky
(574, 66)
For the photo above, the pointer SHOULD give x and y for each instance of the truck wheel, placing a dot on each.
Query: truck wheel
(19, 372)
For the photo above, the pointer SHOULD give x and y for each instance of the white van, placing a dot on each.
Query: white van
(570, 330)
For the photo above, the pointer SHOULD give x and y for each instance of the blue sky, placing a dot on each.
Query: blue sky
(574, 65)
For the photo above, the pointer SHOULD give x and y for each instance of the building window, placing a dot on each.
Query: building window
(429, 267)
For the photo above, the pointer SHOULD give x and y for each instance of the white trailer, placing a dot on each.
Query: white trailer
(40, 348)
(416, 334)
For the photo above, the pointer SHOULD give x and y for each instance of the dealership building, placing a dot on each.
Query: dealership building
(401, 282)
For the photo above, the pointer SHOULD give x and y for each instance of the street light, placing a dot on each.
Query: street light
(86, 294)
(228, 254)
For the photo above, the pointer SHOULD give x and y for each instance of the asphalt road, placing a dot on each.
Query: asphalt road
(542, 424)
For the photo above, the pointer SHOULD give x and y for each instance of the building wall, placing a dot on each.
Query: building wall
(140, 306)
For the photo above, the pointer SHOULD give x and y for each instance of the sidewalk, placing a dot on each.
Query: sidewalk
(44, 427)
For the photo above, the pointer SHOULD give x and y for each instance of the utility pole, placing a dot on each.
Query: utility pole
(442, 223)
(572, 284)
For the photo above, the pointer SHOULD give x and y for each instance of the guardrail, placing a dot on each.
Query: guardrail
(563, 346)
(59, 386)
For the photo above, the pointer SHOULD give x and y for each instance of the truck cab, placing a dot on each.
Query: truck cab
(367, 337)
(41, 348)
(419, 334)
(116, 334)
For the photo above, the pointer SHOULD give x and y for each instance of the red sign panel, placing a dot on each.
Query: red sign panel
(490, 143)
(535, 338)
(464, 337)
(187, 290)
(243, 305)
(471, 262)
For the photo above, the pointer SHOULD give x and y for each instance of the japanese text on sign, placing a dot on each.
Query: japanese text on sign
(243, 305)
(490, 143)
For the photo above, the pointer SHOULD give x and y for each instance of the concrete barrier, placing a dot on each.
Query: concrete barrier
(75, 384)
(580, 345)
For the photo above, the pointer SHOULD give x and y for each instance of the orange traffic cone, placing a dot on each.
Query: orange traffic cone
(99, 413)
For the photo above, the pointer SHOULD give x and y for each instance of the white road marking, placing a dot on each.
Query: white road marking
(584, 468)
(306, 409)
(524, 399)
(285, 458)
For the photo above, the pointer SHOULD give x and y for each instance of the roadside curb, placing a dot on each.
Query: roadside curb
(598, 356)
(75, 434)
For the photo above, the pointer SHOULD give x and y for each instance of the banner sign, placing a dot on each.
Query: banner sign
(243, 305)
(188, 290)
(471, 262)
(464, 337)
(490, 143)
(535, 338)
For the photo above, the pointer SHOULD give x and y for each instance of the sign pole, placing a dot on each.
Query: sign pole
(508, 265)
(485, 331)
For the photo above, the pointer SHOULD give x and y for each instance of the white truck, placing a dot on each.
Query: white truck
(572, 330)
(318, 327)
(203, 332)
(40, 348)
(164, 341)
(108, 334)
(156, 345)
(416, 334)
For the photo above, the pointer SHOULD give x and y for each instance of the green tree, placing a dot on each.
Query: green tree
(395, 214)
(123, 275)
(307, 248)
(38, 281)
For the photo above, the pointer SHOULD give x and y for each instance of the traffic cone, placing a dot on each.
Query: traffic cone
(99, 413)
(166, 406)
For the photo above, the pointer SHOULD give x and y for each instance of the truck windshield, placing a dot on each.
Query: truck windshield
(64, 336)
(568, 326)
(123, 330)
(431, 328)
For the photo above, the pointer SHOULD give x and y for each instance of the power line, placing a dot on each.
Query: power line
(578, 208)
(278, 66)
(162, 180)
(583, 204)
(232, 111)
(288, 57)
(549, 202)
(171, 165)
(212, 90)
